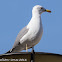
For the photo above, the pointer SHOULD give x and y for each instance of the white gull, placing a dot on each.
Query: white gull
(31, 34)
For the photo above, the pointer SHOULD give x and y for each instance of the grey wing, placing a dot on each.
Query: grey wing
(19, 36)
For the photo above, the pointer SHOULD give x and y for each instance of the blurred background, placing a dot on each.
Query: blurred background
(15, 14)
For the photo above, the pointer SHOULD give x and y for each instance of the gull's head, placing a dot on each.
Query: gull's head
(39, 9)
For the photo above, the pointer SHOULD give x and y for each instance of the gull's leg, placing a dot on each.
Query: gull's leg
(33, 50)
(26, 48)
(32, 55)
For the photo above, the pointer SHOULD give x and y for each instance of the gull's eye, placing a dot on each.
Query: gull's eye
(41, 8)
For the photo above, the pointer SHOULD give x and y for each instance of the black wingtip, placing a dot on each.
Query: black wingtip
(8, 52)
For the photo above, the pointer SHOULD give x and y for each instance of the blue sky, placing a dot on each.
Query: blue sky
(15, 14)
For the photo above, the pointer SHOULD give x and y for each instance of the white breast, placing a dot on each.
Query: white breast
(35, 29)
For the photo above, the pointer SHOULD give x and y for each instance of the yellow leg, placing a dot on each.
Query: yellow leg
(26, 48)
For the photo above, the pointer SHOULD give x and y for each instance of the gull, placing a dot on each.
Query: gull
(31, 34)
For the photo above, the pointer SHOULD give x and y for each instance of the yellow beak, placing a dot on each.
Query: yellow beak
(48, 11)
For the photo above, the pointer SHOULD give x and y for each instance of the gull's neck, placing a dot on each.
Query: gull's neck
(35, 20)
(36, 14)
(36, 17)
